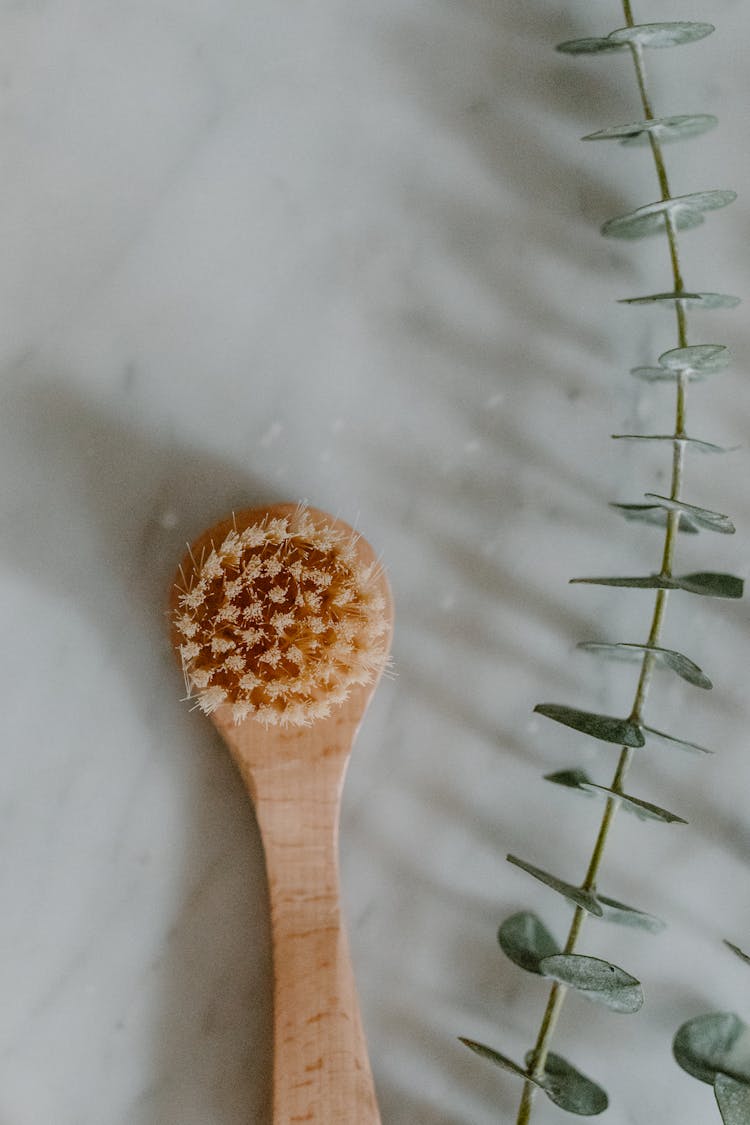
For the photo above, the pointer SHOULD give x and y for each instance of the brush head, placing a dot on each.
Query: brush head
(279, 620)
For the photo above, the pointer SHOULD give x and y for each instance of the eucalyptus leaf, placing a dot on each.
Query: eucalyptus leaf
(498, 1059)
(650, 219)
(711, 200)
(668, 741)
(703, 517)
(526, 940)
(643, 809)
(588, 46)
(664, 129)
(672, 439)
(697, 359)
(688, 300)
(571, 779)
(580, 781)
(685, 668)
(738, 952)
(666, 374)
(718, 1042)
(704, 583)
(680, 664)
(596, 979)
(661, 34)
(579, 897)
(647, 582)
(604, 727)
(619, 650)
(683, 211)
(654, 374)
(712, 585)
(569, 1089)
(641, 35)
(653, 514)
(733, 1100)
(622, 915)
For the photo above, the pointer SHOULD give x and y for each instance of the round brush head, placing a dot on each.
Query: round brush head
(280, 620)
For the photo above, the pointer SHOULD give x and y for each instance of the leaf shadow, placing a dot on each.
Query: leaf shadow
(532, 349)
(119, 502)
(506, 132)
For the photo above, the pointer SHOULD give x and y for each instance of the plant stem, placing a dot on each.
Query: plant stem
(558, 991)
(640, 74)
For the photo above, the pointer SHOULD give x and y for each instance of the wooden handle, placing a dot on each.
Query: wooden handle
(295, 776)
(321, 1069)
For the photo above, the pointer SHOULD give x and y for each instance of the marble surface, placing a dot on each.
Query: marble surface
(349, 253)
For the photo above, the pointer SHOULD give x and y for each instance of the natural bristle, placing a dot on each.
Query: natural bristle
(280, 620)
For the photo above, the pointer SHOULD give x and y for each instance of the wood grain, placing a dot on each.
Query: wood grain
(295, 777)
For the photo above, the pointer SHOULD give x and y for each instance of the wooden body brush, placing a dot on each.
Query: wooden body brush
(282, 619)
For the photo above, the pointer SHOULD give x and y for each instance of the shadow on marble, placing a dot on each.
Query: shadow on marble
(119, 502)
(100, 519)
(495, 496)
(440, 696)
(527, 84)
(507, 129)
(457, 1069)
(474, 576)
(499, 129)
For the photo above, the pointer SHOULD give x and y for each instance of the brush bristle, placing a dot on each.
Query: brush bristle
(280, 621)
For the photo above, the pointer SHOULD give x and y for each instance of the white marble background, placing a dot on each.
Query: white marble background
(349, 252)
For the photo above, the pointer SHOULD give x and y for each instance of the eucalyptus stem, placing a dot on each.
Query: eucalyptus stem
(523, 936)
(558, 991)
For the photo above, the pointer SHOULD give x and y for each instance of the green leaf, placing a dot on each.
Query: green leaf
(705, 583)
(580, 781)
(588, 46)
(685, 668)
(711, 200)
(702, 517)
(622, 915)
(596, 979)
(738, 952)
(694, 363)
(561, 1082)
(712, 585)
(661, 34)
(526, 940)
(664, 129)
(650, 219)
(684, 212)
(571, 779)
(733, 1100)
(668, 741)
(654, 374)
(498, 1059)
(680, 664)
(642, 35)
(690, 442)
(647, 582)
(680, 127)
(715, 1043)
(643, 809)
(653, 514)
(688, 300)
(700, 359)
(569, 1089)
(604, 727)
(585, 899)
